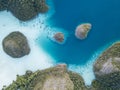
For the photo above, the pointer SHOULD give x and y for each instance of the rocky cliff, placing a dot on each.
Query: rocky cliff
(24, 9)
(54, 78)
(107, 69)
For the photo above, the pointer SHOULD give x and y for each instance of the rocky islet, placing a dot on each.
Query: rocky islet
(106, 67)
(16, 45)
(54, 78)
(24, 10)
(106, 70)
(82, 30)
(59, 37)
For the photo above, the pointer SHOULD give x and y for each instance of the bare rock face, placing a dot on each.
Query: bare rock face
(24, 9)
(82, 30)
(58, 83)
(54, 78)
(16, 45)
(107, 69)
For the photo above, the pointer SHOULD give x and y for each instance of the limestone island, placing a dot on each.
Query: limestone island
(54, 78)
(82, 30)
(58, 37)
(16, 45)
(24, 9)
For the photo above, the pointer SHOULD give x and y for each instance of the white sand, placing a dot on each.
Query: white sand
(37, 59)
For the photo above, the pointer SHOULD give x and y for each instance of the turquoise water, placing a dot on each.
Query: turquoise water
(104, 15)
(64, 16)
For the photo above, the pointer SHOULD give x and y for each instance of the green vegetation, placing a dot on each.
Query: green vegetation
(24, 9)
(33, 81)
(107, 69)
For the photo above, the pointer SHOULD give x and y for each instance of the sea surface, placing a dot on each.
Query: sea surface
(63, 16)
(104, 15)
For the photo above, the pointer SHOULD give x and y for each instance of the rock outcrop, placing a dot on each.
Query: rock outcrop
(16, 45)
(55, 78)
(59, 37)
(24, 9)
(82, 30)
(107, 69)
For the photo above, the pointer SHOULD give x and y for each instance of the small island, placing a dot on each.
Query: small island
(59, 37)
(82, 30)
(107, 69)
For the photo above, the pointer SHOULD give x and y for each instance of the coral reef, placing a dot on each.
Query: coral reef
(54, 78)
(24, 9)
(82, 30)
(107, 69)
(16, 45)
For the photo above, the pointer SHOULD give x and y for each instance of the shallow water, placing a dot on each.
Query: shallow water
(64, 16)
(104, 15)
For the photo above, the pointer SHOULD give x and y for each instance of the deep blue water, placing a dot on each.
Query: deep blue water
(104, 15)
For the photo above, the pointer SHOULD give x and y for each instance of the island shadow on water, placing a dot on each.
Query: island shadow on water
(104, 17)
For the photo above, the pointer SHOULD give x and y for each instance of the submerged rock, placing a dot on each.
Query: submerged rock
(16, 45)
(82, 30)
(59, 37)
(24, 9)
(55, 78)
(107, 69)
